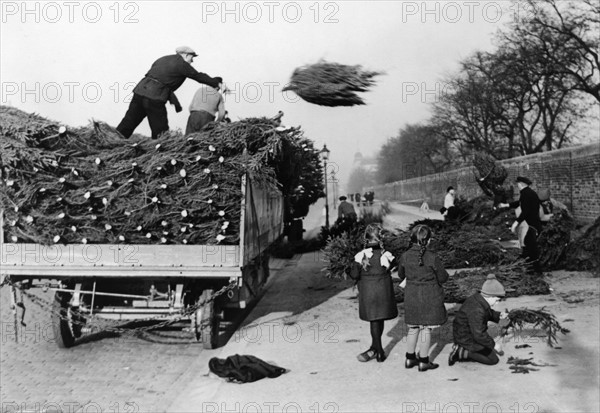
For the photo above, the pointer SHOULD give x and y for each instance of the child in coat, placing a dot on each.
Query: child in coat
(376, 301)
(423, 297)
(471, 339)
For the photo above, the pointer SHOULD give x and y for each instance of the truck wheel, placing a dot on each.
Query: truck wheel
(265, 267)
(209, 321)
(62, 327)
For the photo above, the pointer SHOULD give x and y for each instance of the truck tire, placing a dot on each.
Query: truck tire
(295, 231)
(63, 333)
(209, 322)
(264, 270)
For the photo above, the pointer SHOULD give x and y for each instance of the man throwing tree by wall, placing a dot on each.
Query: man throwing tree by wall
(529, 203)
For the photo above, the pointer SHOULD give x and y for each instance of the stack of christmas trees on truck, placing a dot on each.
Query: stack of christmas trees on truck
(89, 185)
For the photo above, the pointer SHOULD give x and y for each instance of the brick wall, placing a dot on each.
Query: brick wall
(572, 175)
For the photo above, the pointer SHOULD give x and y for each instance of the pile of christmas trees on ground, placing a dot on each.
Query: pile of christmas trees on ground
(562, 242)
(474, 240)
(512, 272)
(583, 253)
(89, 185)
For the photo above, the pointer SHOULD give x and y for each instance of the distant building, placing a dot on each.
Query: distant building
(362, 173)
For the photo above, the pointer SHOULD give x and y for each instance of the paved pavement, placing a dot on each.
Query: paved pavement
(114, 373)
(297, 325)
(110, 374)
(402, 215)
(309, 325)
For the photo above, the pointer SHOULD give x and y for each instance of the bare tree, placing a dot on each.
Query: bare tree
(417, 150)
(467, 112)
(575, 27)
(388, 169)
(551, 57)
(516, 100)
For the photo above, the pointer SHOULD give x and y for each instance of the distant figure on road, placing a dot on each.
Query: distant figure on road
(357, 198)
(346, 209)
(370, 197)
(376, 302)
(449, 210)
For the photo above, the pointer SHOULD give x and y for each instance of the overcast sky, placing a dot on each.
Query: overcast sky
(74, 61)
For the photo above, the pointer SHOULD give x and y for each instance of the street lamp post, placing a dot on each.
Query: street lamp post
(325, 156)
(335, 194)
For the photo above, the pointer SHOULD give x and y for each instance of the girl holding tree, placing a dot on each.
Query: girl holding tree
(376, 302)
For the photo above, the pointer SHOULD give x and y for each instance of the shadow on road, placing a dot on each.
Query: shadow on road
(440, 337)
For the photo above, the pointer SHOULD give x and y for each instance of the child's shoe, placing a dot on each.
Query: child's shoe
(425, 364)
(454, 355)
(411, 361)
(368, 355)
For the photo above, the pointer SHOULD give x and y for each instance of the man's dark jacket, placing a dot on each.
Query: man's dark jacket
(530, 208)
(470, 324)
(166, 75)
(346, 210)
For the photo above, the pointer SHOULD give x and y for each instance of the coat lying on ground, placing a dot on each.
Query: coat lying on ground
(243, 369)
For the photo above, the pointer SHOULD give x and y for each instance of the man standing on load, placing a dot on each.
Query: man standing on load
(206, 102)
(157, 87)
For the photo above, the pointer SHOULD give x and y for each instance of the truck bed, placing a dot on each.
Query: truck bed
(121, 261)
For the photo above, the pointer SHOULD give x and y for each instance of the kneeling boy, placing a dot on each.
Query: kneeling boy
(471, 339)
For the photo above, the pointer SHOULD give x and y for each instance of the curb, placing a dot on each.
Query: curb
(206, 384)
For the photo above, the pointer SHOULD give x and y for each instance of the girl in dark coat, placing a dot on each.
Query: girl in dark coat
(423, 296)
(376, 302)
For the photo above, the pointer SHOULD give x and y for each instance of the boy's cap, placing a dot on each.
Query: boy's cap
(492, 286)
(524, 180)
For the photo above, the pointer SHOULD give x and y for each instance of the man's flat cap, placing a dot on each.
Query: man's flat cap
(185, 49)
